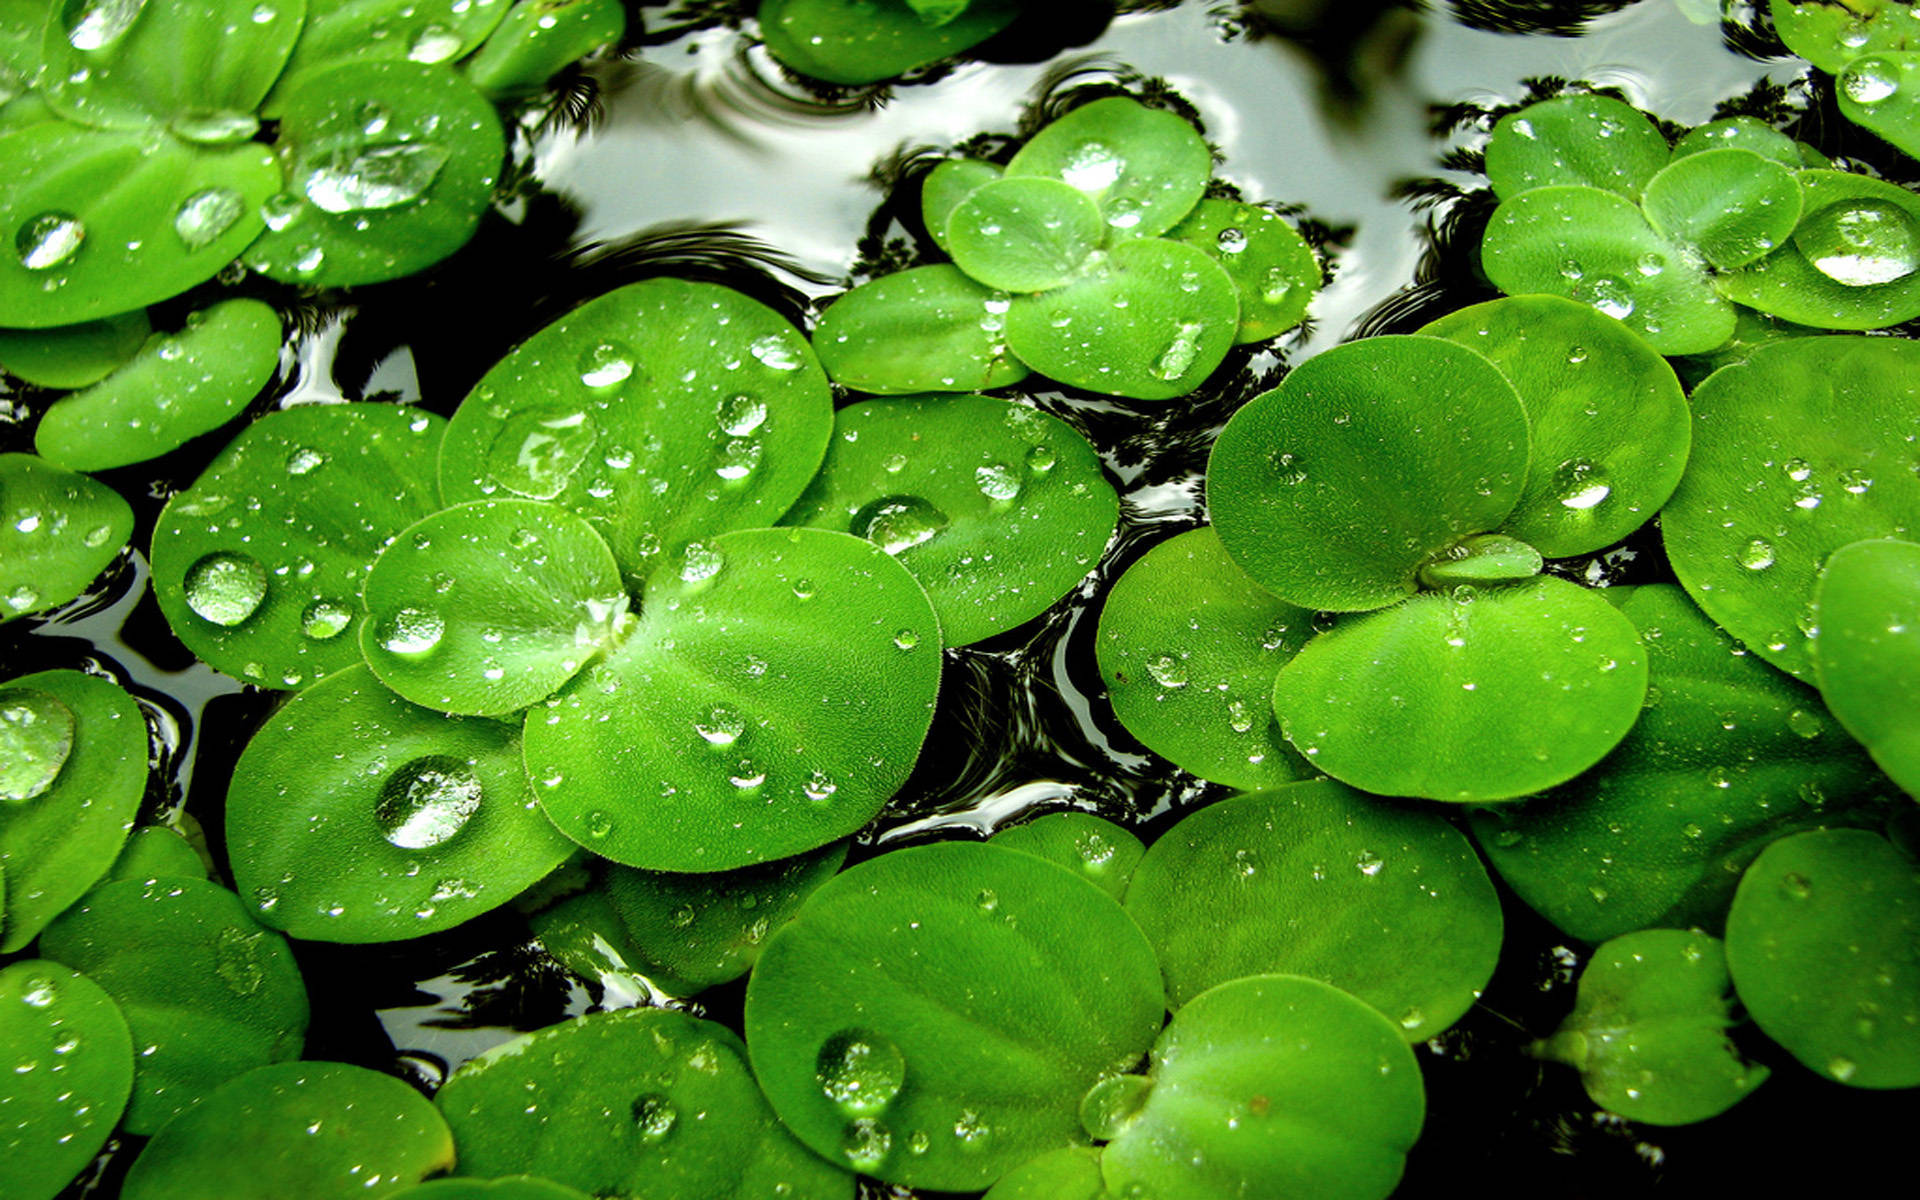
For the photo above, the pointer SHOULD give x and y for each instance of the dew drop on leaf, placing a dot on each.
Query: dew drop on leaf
(207, 214)
(997, 482)
(434, 44)
(896, 523)
(97, 24)
(700, 562)
(1580, 485)
(860, 1072)
(1757, 554)
(776, 351)
(1869, 80)
(358, 178)
(427, 801)
(537, 452)
(36, 738)
(739, 416)
(48, 240)
(1860, 242)
(1167, 671)
(412, 633)
(605, 364)
(226, 588)
(1179, 353)
(325, 619)
(722, 726)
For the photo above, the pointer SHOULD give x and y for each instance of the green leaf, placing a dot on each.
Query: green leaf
(155, 852)
(1467, 696)
(68, 1060)
(637, 1102)
(1741, 133)
(56, 844)
(58, 531)
(1023, 233)
(389, 166)
(207, 993)
(177, 388)
(1103, 853)
(1145, 168)
(1188, 648)
(1733, 205)
(36, 735)
(1072, 1173)
(1824, 945)
(1868, 652)
(1272, 1086)
(1607, 421)
(944, 187)
(1797, 451)
(843, 43)
(1853, 263)
(518, 1187)
(925, 329)
(538, 38)
(1648, 1033)
(998, 509)
(201, 68)
(1290, 881)
(1728, 755)
(1597, 248)
(1832, 35)
(258, 566)
(1592, 141)
(1271, 265)
(357, 31)
(1877, 93)
(354, 816)
(1334, 489)
(73, 356)
(769, 699)
(1482, 559)
(933, 1016)
(663, 412)
(104, 223)
(489, 606)
(317, 1130)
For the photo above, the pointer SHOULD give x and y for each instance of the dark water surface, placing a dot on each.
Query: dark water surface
(700, 130)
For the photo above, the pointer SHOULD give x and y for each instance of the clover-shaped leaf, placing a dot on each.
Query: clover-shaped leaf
(926, 329)
(1289, 881)
(1824, 946)
(1146, 169)
(995, 533)
(932, 1016)
(1271, 265)
(1094, 847)
(73, 356)
(1732, 204)
(68, 1059)
(58, 531)
(769, 699)
(1188, 648)
(177, 388)
(691, 1122)
(207, 993)
(1273, 1085)
(1648, 1033)
(1868, 651)
(1797, 451)
(259, 565)
(1853, 262)
(844, 43)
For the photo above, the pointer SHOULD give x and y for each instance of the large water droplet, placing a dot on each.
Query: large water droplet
(1580, 485)
(1179, 353)
(861, 1072)
(1757, 554)
(427, 801)
(738, 458)
(217, 128)
(97, 24)
(226, 588)
(654, 1116)
(324, 620)
(700, 562)
(46, 241)
(777, 351)
(1167, 670)
(537, 452)
(896, 523)
(36, 737)
(722, 726)
(1092, 167)
(1112, 1104)
(412, 633)
(1610, 296)
(866, 1144)
(357, 177)
(1870, 80)
(997, 482)
(433, 44)
(605, 364)
(1860, 242)
(205, 215)
(739, 416)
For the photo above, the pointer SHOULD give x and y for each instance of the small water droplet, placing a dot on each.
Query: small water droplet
(722, 726)
(1369, 863)
(819, 786)
(1167, 670)
(1239, 716)
(654, 1116)
(1179, 355)
(860, 1072)
(599, 824)
(605, 364)
(866, 1144)
(433, 44)
(1854, 481)
(739, 416)
(1580, 484)
(738, 458)
(97, 24)
(226, 588)
(897, 523)
(1796, 885)
(39, 993)
(412, 633)
(1288, 472)
(1841, 1068)
(1803, 723)
(1231, 240)
(777, 351)
(700, 562)
(1757, 554)
(1609, 295)
(997, 482)
(324, 620)
(207, 214)
(48, 240)
(236, 959)
(906, 639)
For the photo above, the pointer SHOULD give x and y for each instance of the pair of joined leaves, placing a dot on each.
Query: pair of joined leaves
(1596, 207)
(1091, 257)
(1423, 477)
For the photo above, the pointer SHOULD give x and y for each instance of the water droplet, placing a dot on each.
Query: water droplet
(861, 1072)
(48, 240)
(97, 24)
(747, 775)
(433, 44)
(905, 639)
(605, 364)
(1870, 80)
(39, 993)
(279, 210)
(777, 351)
(700, 562)
(654, 1116)
(357, 177)
(1168, 671)
(207, 214)
(427, 801)
(599, 824)
(740, 415)
(1803, 723)
(738, 458)
(970, 1128)
(1757, 554)
(1610, 296)
(1855, 482)
(36, 738)
(1369, 863)
(866, 1144)
(226, 588)
(1111, 1105)
(1796, 885)
(1860, 242)
(325, 619)
(1179, 355)
(819, 786)
(896, 523)
(1239, 716)
(236, 959)
(987, 900)
(1231, 241)
(412, 633)
(1092, 167)
(722, 726)
(1581, 485)
(1040, 459)
(1413, 1018)
(537, 452)
(997, 482)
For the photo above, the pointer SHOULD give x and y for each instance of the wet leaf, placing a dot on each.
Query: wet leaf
(1741, 133)
(1023, 233)
(518, 1187)
(1591, 141)
(1853, 262)
(944, 187)
(1103, 853)
(73, 356)
(1733, 205)
(68, 1060)
(58, 531)
(1833, 35)
(1072, 1173)
(1868, 653)
(831, 40)
(1271, 265)
(925, 329)
(426, 32)
(539, 37)
(1145, 168)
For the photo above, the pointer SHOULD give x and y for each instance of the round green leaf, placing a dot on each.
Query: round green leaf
(317, 1130)
(1145, 168)
(1833, 35)
(178, 388)
(1149, 320)
(1467, 696)
(1741, 133)
(1594, 141)
(844, 43)
(1597, 248)
(1097, 849)
(933, 1016)
(389, 166)
(637, 1102)
(945, 187)
(1804, 447)
(259, 565)
(1024, 233)
(1868, 652)
(58, 841)
(489, 606)
(1332, 490)
(1728, 755)
(354, 816)
(1734, 205)
(1648, 1033)
(58, 531)
(1608, 423)
(103, 223)
(1824, 945)
(769, 699)
(1072, 1173)
(540, 37)
(1290, 881)
(997, 509)
(419, 31)
(1188, 648)
(68, 1061)
(1271, 265)
(73, 356)
(518, 1187)
(663, 412)
(207, 993)
(1853, 263)
(926, 329)
(1272, 1086)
